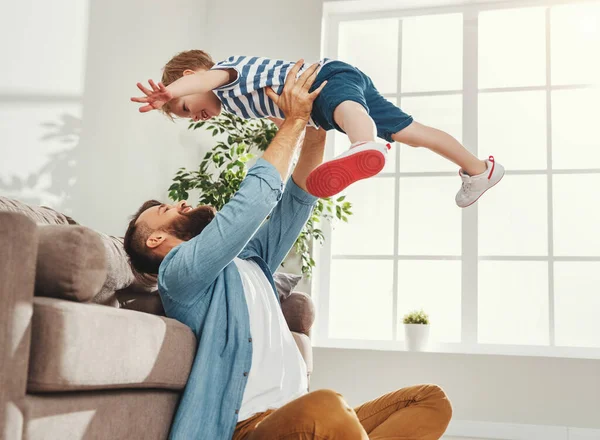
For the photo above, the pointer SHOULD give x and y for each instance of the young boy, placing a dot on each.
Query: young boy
(193, 86)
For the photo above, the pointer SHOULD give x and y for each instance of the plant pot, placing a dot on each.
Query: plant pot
(416, 336)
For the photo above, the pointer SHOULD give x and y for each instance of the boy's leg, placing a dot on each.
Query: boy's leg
(477, 176)
(321, 414)
(420, 412)
(440, 142)
(353, 118)
(365, 158)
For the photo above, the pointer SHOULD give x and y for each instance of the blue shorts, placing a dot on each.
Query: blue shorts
(347, 83)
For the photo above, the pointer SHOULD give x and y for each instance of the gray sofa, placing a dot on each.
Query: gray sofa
(71, 368)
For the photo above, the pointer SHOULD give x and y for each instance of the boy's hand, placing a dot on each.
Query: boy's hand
(295, 100)
(155, 98)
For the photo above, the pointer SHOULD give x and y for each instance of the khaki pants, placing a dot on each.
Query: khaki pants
(420, 412)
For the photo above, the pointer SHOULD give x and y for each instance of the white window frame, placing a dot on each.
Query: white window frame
(338, 11)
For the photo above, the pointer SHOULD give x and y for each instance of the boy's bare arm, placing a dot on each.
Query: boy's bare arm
(199, 82)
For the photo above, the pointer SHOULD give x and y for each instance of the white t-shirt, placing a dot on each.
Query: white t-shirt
(278, 372)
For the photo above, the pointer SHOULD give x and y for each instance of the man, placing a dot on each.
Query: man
(248, 380)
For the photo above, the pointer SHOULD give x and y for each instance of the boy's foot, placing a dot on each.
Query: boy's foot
(473, 187)
(362, 160)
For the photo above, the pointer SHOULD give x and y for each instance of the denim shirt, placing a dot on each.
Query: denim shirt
(200, 286)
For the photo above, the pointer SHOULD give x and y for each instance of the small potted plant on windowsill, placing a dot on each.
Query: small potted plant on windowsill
(416, 330)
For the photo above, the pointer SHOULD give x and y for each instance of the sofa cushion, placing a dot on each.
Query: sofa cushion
(71, 263)
(299, 312)
(39, 214)
(78, 346)
(285, 283)
(298, 308)
(119, 275)
(148, 302)
(117, 414)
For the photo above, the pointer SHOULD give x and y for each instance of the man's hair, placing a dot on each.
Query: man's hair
(173, 70)
(141, 257)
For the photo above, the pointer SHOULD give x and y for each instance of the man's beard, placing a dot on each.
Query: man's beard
(192, 223)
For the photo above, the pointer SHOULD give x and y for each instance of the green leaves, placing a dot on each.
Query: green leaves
(224, 167)
(416, 317)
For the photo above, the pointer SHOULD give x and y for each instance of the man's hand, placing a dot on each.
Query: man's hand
(295, 101)
(155, 98)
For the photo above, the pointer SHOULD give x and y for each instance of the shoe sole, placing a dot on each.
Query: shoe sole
(487, 189)
(336, 175)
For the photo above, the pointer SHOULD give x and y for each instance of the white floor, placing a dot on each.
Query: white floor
(460, 438)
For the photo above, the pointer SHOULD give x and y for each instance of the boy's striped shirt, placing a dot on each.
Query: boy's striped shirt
(246, 96)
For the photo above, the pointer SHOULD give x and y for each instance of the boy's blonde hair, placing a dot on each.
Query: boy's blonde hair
(173, 70)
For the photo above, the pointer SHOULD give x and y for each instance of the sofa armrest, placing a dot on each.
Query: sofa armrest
(18, 255)
(305, 348)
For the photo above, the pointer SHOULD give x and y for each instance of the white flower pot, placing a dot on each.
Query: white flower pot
(416, 336)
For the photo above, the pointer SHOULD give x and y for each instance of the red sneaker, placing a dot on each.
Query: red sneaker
(362, 160)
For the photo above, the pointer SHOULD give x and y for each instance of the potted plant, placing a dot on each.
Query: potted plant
(416, 330)
(223, 168)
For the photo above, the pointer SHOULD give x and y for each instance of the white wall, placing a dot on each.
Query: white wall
(503, 389)
(124, 157)
(288, 29)
(69, 137)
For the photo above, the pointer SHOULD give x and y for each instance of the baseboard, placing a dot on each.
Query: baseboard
(584, 434)
(513, 431)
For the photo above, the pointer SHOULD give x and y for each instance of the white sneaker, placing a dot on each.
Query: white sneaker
(473, 187)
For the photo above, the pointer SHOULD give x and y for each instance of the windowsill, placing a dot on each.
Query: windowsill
(456, 348)
(331, 7)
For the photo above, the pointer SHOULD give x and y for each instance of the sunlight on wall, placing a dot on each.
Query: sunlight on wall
(41, 91)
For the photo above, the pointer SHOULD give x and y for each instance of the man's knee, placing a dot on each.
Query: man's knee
(329, 399)
(339, 419)
(438, 398)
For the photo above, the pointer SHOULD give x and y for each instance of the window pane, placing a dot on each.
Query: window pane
(46, 45)
(370, 229)
(372, 46)
(575, 43)
(513, 302)
(577, 303)
(575, 141)
(576, 215)
(434, 286)
(441, 112)
(361, 306)
(513, 217)
(38, 151)
(342, 143)
(425, 55)
(430, 223)
(512, 127)
(512, 48)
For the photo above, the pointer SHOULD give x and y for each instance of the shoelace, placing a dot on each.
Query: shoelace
(466, 185)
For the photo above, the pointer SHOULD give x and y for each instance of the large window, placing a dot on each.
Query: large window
(519, 272)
